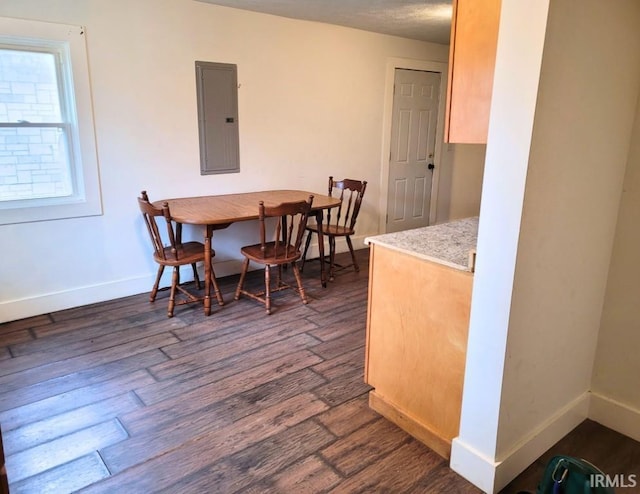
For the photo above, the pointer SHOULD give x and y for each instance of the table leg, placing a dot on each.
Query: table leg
(207, 269)
(323, 275)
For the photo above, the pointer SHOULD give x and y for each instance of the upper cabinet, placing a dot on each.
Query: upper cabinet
(472, 56)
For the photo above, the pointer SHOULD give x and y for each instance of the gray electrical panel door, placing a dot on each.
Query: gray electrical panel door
(217, 86)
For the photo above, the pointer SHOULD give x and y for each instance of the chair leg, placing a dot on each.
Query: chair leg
(353, 255)
(216, 288)
(195, 276)
(267, 288)
(175, 280)
(245, 268)
(332, 256)
(306, 248)
(154, 290)
(296, 273)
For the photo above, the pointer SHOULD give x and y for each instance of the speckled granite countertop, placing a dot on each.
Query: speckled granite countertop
(452, 244)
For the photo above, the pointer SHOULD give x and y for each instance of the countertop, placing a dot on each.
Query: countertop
(452, 244)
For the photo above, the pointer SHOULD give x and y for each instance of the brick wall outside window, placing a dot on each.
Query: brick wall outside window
(33, 160)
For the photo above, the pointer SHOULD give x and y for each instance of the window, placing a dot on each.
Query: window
(217, 87)
(48, 164)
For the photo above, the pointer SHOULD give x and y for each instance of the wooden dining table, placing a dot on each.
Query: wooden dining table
(216, 212)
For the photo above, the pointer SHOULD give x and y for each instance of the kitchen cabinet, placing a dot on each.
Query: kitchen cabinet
(417, 322)
(472, 55)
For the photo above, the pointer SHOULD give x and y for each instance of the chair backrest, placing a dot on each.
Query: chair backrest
(150, 213)
(351, 193)
(289, 227)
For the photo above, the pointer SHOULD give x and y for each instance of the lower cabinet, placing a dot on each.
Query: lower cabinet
(417, 327)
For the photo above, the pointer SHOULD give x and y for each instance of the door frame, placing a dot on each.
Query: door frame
(387, 122)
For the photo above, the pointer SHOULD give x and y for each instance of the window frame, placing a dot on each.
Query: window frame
(68, 42)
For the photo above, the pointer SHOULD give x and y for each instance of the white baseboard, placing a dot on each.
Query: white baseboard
(615, 415)
(341, 245)
(490, 475)
(12, 310)
(541, 439)
(473, 465)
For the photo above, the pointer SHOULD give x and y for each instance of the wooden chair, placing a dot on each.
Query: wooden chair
(283, 250)
(175, 254)
(340, 224)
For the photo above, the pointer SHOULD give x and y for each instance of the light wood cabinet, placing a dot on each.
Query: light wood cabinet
(417, 326)
(472, 56)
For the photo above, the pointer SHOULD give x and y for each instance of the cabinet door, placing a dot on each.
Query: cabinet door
(472, 56)
(417, 328)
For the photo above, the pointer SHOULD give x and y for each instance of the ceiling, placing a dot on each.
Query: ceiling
(425, 20)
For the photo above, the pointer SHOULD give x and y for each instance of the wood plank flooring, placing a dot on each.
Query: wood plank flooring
(115, 397)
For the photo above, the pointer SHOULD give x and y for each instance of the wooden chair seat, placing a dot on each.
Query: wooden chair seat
(335, 230)
(276, 253)
(291, 219)
(175, 254)
(187, 253)
(342, 223)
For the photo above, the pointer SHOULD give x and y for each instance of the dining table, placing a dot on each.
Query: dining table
(216, 212)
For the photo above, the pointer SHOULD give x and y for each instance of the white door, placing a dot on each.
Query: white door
(413, 140)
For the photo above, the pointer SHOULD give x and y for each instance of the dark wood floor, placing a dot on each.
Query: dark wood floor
(116, 397)
(612, 452)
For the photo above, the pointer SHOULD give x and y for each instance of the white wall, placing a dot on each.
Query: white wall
(570, 209)
(615, 398)
(515, 91)
(310, 105)
(460, 181)
(581, 131)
